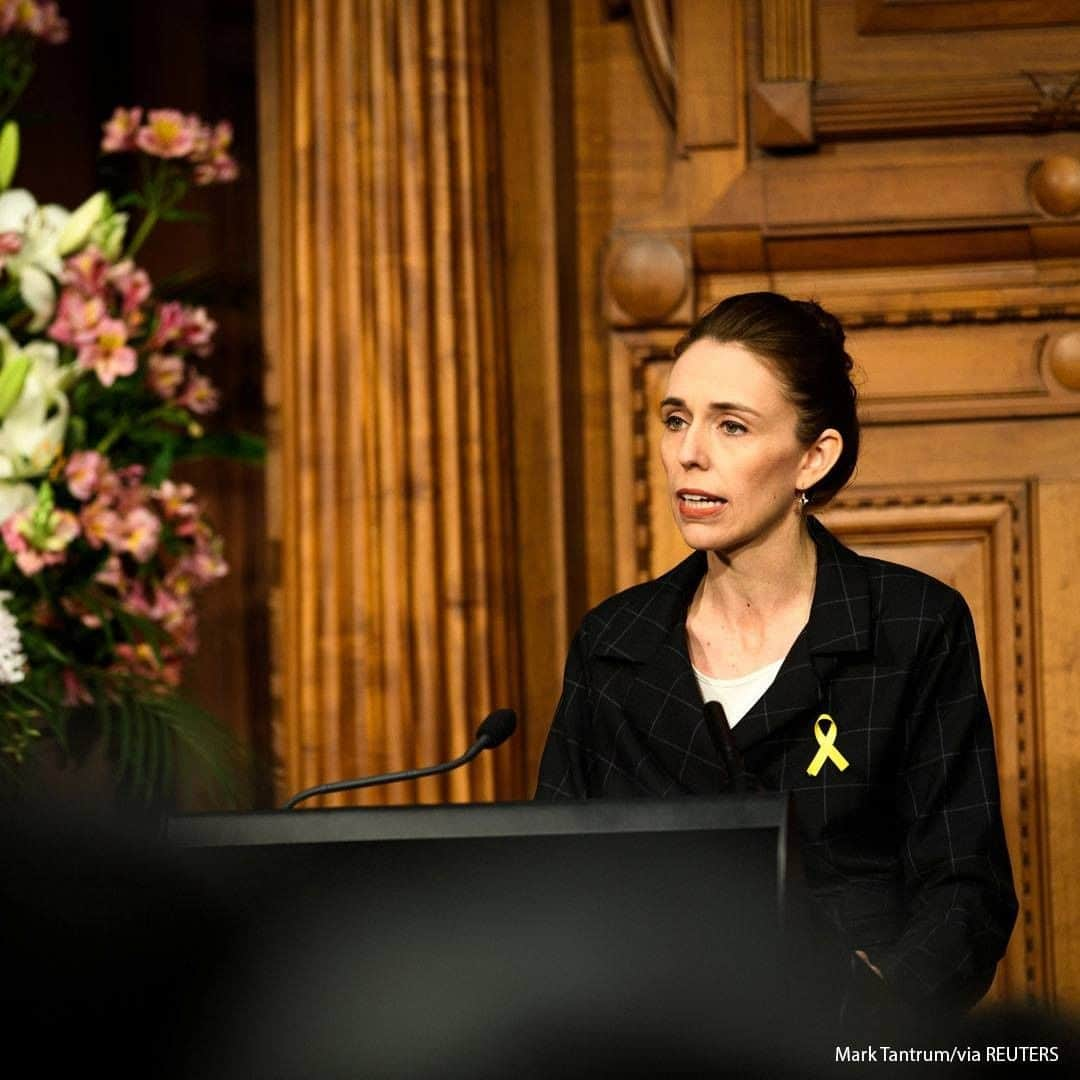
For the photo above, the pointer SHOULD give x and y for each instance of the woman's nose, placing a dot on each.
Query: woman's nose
(692, 450)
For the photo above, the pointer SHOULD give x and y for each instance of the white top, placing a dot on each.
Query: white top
(738, 695)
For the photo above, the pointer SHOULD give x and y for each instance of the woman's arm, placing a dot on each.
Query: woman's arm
(958, 880)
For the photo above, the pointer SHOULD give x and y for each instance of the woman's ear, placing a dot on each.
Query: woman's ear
(819, 458)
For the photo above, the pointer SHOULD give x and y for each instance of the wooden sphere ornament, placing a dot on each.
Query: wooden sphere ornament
(647, 277)
(1065, 359)
(1055, 185)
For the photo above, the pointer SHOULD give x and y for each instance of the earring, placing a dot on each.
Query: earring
(804, 500)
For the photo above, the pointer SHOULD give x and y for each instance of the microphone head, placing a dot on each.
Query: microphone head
(497, 727)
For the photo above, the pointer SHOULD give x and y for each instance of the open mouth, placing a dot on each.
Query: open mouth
(699, 504)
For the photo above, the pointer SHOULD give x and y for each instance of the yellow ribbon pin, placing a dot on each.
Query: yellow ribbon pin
(827, 750)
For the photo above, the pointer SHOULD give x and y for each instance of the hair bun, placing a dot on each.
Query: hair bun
(826, 322)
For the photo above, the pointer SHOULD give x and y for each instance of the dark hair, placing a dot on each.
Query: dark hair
(804, 345)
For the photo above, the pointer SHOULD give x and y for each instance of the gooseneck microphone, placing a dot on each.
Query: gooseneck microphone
(494, 729)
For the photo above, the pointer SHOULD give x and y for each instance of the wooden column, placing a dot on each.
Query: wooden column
(390, 474)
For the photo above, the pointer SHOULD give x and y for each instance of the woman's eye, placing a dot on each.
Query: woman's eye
(732, 427)
(674, 422)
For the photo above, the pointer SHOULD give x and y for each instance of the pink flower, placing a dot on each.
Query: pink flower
(112, 573)
(133, 285)
(86, 271)
(120, 130)
(138, 660)
(84, 472)
(100, 524)
(167, 133)
(176, 500)
(110, 356)
(139, 533)
(220, 169)
(34, 552)
(10, 244)
(200, 395)
(214, 163)
(170, 325)
(75, 692)
(52, 28)
(164, 375)
(77, 318)
(197, 331)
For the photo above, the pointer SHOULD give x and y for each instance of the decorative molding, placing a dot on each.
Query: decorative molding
(648, 279)
(1025, 102)
(1055, 185)
(653, 26)
(781, 114)
(787, 39)
(926, 16)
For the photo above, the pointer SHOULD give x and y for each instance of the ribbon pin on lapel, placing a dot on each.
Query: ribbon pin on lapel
(827, 751)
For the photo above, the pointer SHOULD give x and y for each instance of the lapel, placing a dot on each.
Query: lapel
(663, 700)
(839, 625)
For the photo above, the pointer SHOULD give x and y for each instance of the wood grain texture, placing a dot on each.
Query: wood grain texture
(396, 606)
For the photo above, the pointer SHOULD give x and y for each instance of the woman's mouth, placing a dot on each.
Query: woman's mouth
(698, 505)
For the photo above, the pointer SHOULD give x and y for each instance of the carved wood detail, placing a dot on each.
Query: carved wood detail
(653, 25)
(787, 39)
(394, 611)
(1021, 102)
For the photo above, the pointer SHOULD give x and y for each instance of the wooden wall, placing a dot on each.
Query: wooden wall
(626, 164)
(921, 180)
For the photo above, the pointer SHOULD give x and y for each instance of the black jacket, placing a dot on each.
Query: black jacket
(904, 848)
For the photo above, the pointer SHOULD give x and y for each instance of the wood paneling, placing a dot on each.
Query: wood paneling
(395, 608)
(906, 203)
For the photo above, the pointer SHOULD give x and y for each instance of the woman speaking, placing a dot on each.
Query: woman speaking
(850, 682)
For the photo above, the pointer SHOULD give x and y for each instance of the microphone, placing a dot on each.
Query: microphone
(494, 729)
(724, 742)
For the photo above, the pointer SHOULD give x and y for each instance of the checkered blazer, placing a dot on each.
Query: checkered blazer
(905, 848)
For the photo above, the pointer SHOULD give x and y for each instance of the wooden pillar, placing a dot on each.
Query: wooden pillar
(390, 473)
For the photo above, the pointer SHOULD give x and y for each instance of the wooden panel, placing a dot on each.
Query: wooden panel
(844, 55)
(1021, 101)
(1057, 562)
(534, 332)
(708, 42)
(395, 610)
(922, 16)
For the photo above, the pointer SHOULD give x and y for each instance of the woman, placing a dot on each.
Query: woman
(850, 682)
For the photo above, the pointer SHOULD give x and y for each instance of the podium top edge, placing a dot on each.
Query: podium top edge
(759, 810)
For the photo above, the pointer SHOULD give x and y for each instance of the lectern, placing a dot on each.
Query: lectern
(517, 939)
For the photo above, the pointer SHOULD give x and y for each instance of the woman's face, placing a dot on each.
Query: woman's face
(729, 448)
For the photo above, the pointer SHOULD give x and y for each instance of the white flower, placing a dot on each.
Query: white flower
(12, 658)
(38, 262)
(32, 431)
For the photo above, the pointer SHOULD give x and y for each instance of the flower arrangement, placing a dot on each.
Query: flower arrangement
(102, 552)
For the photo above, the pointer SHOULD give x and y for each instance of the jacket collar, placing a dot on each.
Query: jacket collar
(649, 630)
(840, 618)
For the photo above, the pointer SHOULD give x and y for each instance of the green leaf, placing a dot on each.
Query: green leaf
(184, 215)
(236, 445)
(9, 153)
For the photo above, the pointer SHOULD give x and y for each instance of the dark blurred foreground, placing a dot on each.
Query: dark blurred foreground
(121, 954)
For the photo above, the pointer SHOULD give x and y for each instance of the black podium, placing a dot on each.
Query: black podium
(519, 939)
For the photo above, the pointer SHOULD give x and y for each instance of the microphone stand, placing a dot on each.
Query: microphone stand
(386, 778)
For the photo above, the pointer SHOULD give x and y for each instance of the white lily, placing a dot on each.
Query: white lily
(39, 261)
(32, 432)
